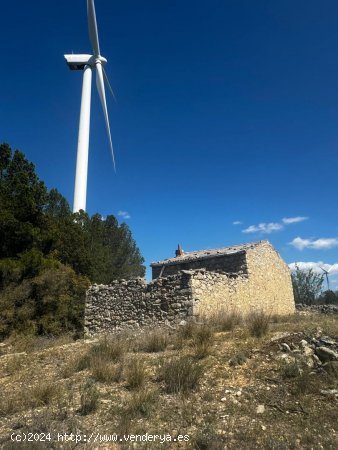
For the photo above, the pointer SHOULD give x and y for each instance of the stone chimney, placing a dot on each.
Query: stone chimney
(179, 251)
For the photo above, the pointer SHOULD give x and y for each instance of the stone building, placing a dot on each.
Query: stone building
(245, 278)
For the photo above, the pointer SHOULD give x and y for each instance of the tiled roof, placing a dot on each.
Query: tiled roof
(204, 254)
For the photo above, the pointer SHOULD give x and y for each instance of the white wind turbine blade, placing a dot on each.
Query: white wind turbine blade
(92, 26)
(108, 84)
(102, 94)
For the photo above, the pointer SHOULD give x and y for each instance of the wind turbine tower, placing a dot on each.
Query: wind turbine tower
(88, 63)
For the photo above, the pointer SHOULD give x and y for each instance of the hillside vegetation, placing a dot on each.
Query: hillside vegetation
(48, 255)
(216, 383)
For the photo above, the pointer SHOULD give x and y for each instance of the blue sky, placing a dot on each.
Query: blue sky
(227, 110)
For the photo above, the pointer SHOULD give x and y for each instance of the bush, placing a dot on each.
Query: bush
(306, 285)
(203, 337)
(109, 349)
(328, 298)
(258, 324)
(180, 375)
(208, 439)
(107, 372)
(225, 320)
(50, 303)
(141, 402)
(155, 341)
(187, 331)
(89, 398)
(135, 374)
(291, 370)
(100, 357)
(43, 394)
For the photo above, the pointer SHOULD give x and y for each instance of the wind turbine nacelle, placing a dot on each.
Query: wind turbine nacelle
(78, 62)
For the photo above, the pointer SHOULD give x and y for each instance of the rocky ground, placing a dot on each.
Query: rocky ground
(236, 391)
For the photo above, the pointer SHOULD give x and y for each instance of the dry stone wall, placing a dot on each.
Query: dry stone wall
(262, 284)
(214, 292)
(130, 304)
(232, 263)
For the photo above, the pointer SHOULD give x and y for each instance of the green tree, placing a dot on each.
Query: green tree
(48, 254)
(51, 302)
(22, 197)
(328, 298)
(307, 285)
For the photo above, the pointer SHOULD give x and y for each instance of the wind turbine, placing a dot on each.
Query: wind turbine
(327, 276)
(87, 63)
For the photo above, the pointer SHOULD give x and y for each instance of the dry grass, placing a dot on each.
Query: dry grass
(142, 402)
(187, 331)
(43, 394)
(258, 324)
(135, 373)
(89, 398)
(225, 320)
(107, 372)
(14, 364)
(173, 391)
(8, 406)
(154, 341)
(30, 343)
(202, 341)
(180, 375)
(109, 349)
(104, 360)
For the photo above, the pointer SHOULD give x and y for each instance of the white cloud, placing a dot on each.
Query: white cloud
(315, 244)
(237, 222)
(315, 266)
(264, 228)
(124, 214)
(288, 220)
(267, 228)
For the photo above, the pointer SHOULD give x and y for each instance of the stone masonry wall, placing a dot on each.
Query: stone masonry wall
(214, 291)
(232, 263)
(129, 304)
(270, 281)
(267, 287)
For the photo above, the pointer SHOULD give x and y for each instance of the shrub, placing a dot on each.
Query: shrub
(238, 359)
(109, 349)
(83, 362)
(202, 341)
(135, 374)
(155, 341)
(307, 285)
(258, 324)
(331, 368)
(180, 375)
(49, 303)
(107, 372)
(187, 330)
(14, 364)
(141, 402)
(43, 394)
(291, 370)
(225, 320)
(208, 439)
(89, 398)
(100, 355)
(8, 406)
